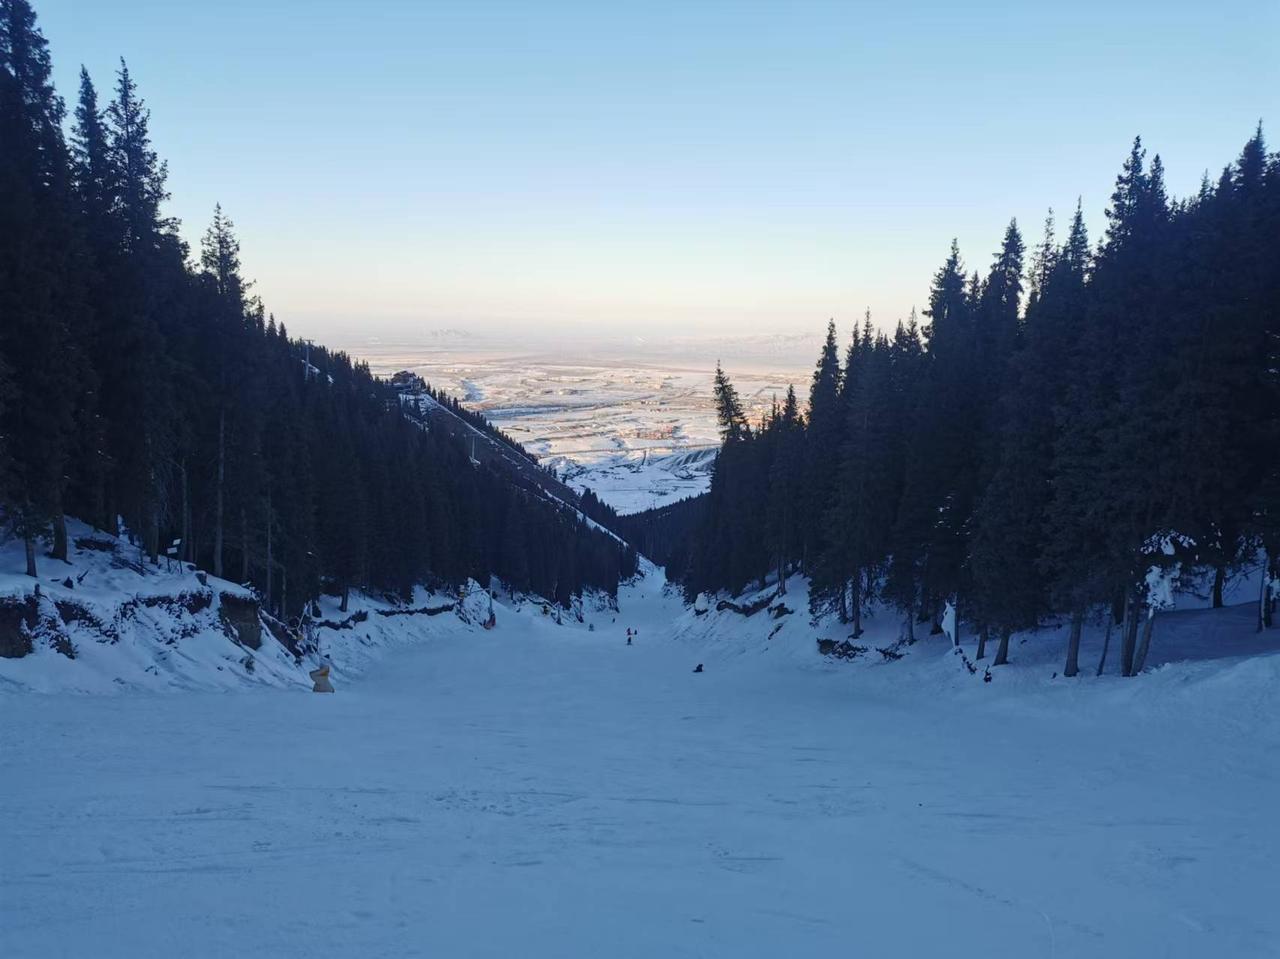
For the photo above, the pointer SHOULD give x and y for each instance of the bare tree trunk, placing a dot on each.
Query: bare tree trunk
(1145, 645)
(270, 559)
(153, 523)
(857, 606)
(59, 535)
(99, 501)
(28, 541)
(1219, 578)
(244, 546)
(782, 575)
(1129, 636)
(1002, 654)
(1073, 643)
(911, 623)
(1135, 624)
(1265, 600)
(185, 553)
(346, 593)
(217, 514)
(983, 635)
(1106, 643)
(1268, 592)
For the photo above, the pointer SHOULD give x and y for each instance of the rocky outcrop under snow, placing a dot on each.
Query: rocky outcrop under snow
(107, 620)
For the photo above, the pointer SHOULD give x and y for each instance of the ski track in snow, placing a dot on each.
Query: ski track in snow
(548, 791)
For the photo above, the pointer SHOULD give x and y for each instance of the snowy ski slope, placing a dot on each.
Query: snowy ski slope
(542, 789)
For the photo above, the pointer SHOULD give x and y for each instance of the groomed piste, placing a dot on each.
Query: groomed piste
(541, 788)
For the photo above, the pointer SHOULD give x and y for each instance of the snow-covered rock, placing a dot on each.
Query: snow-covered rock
(475, 605)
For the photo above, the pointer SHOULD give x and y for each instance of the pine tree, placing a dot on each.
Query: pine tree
(1010, 590)
(929, 535)
(1029, 461)
(1114, 429)
(907, 364)
(1043, 259)
(96, 177)
(41, 289)
(1011, 504)
(824, 430)
(95, 188)
(514, 566)
(142, 174)
(733, 422)
(6, 460)
(145, 285)
(785, 488)
(231, 373)
(861, 515)
(1000, 304)
(220, 259)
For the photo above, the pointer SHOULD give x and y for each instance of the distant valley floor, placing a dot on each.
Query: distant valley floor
(634, 423)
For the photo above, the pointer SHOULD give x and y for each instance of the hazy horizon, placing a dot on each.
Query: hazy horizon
(719, 168)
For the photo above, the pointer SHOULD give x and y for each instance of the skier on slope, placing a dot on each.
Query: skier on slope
(628, 635)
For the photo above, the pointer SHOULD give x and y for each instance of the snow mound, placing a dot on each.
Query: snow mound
(108, 621)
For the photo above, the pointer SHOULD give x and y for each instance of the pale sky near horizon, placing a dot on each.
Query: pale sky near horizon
(657, 167)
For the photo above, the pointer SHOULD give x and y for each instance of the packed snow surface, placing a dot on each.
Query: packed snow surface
(542, 789)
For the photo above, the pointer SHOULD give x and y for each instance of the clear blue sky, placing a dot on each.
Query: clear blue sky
(651, 166)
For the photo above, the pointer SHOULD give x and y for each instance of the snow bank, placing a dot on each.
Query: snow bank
(766, 631)
(107, 621)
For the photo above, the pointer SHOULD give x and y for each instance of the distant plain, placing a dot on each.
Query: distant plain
(632, 419)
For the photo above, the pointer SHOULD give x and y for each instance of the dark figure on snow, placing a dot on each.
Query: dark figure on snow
(698, 668)
(628, 635)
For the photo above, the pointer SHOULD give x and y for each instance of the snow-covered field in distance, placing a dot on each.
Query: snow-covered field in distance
(631, 418)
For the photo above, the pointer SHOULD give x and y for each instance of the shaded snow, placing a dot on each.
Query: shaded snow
(131, 645)
(545, 790)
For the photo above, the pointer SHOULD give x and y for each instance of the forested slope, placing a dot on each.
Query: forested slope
(1068, 434)
(145, 389)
